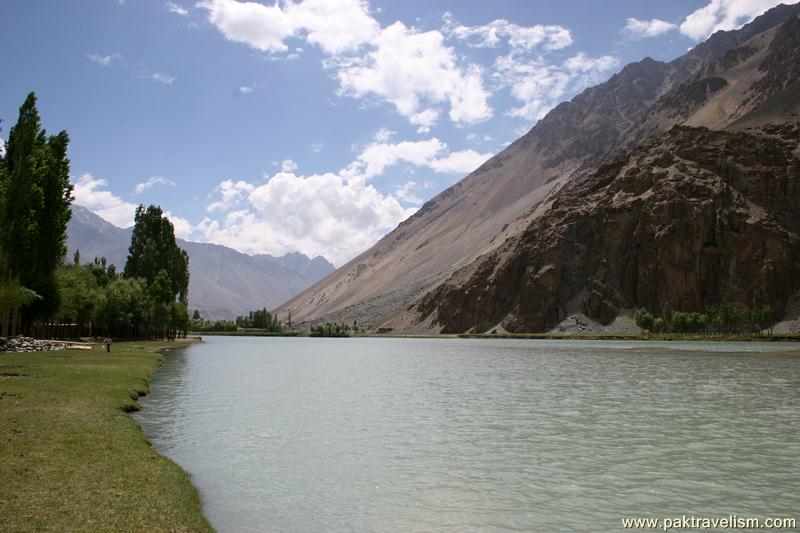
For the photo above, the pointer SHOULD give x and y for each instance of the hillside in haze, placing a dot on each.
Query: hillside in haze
(605, 205)
(223, 283)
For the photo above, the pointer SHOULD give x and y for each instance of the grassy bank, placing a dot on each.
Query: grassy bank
(72, 459)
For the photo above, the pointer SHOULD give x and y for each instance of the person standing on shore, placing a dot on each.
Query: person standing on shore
(108, 342)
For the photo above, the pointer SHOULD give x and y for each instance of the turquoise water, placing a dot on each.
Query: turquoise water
(304, 434)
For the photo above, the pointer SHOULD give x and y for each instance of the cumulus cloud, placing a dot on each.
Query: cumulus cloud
(101, 59)
(91, 193)
(640, 29)
(153, 182)
(491, 35)
(231, 194)
(723, 15)
(336, 214)
(412, 70)
(245, 89)
(431, 153)
(335, 26)
(322, 214)
(177, 9)
(160, 78)
(417, 73)
(459, 162)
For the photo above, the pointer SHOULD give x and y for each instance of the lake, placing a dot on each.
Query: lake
(382, 434)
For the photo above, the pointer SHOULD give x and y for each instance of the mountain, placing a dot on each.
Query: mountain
(735, 79)
(223, 283)
(692, 218)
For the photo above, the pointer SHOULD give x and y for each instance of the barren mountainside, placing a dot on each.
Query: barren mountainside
(693, 218)
(736, 79)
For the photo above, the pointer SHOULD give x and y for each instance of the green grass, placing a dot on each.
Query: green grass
(71, 459)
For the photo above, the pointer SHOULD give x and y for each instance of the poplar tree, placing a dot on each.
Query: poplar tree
(155, 257)
(35, 197)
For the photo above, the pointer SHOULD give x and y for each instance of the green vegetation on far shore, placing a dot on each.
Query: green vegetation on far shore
(259, 321)
(788, 337)
(72, 459)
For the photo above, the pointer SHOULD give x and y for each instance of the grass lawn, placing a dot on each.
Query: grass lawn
(71, 459)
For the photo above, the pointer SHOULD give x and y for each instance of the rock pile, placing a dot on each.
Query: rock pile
(28, 344)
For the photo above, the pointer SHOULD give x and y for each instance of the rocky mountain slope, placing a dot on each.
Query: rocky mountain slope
(720, 82)
(223, 283)
(692, 218)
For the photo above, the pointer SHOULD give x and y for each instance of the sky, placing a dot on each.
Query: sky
(312, 125)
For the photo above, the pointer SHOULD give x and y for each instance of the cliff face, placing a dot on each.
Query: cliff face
(692, 218)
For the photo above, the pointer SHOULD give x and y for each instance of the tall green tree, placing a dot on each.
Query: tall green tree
(155, 257)
(35, 208)
(153, 249)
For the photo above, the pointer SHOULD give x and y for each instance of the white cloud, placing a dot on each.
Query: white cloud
(374, 159)
(384, 134)
(177, 9)
(491, 35)
(540, 86)
(336, 26)
(336, 214)
(183, 228)
(582, 63)
(88, 193)
(287, 165)
(101, 59)
(152, 182)
(160, 78)
(415, 72)
(724, 15)
(260, 26)
(316, 148)
(323, 214)
(461, 162)
(231, 194)
(431, 153)
(405, 193)
(244, 89)
(640, 29)
(526, 69)
(410, 69)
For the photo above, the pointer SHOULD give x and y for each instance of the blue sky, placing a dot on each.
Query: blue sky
(316, 125)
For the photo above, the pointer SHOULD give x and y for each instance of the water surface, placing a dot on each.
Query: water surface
(304, 434)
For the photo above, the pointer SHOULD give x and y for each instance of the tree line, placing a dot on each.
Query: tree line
(334, 329)
(260, 319)
(39, 292)
(724, 318)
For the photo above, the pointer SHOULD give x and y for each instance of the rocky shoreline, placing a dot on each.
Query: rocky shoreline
(29, 344)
